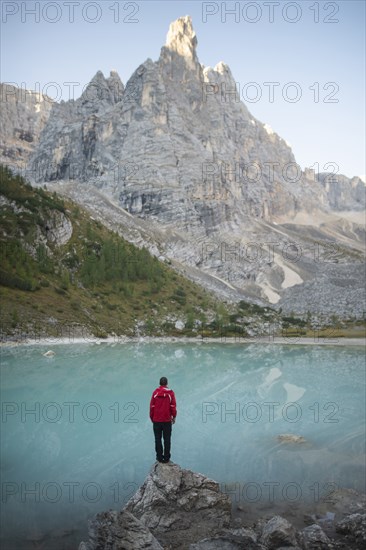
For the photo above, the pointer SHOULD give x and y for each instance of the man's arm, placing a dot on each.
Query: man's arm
(173, 408)
(152, 408)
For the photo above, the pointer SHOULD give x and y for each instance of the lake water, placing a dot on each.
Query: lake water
(77, 438)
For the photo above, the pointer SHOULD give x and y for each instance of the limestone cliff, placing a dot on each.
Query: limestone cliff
(23, 116)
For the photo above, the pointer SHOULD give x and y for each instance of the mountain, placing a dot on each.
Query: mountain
(175, 160)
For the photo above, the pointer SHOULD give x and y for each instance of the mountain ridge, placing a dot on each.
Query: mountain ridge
(177, 148)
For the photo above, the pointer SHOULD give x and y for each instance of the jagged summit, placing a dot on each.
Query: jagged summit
(181, 37)
(102, 92)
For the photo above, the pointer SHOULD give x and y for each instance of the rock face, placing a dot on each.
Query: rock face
(343, 192)
(23, 117)
(54, 228)
(222, 193)
(70, 147)
(184, 510)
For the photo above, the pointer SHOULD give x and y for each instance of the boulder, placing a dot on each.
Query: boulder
(314, 538)
(354, 526)
(173, 499)
(278, 532)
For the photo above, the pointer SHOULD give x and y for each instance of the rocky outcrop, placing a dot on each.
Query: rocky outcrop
(179, 500)
(53, 227)
(184, 510)
(24, 114)
(343, 193)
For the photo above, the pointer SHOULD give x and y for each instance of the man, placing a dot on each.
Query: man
(163, 410)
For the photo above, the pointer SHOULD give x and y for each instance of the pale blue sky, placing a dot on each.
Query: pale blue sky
(320, 55)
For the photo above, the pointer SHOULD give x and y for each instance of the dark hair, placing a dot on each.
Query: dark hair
(163, 381)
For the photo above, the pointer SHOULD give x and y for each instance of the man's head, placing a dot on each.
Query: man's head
(163, 381)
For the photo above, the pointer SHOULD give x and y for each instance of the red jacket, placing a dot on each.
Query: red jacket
(163, 407)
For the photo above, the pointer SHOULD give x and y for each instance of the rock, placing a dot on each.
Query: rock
(278, 532)
(173, 499)
(218, 543)
(354, 526)
(230, 539)
(291, 438)
(314, 538)
(119, 531)
(24, 114)
(181, 509)
(179, 325)
(343, 193)
(58, 228)
(49, 353)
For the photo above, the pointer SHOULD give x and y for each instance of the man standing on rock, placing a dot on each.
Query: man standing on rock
(163, 410)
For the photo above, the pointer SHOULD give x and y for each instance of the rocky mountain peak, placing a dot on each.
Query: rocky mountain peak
(181, 37)
(101, 90)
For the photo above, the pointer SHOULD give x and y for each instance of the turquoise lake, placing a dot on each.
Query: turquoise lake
(77, 439)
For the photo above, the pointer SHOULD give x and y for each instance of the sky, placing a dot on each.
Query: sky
(299, 66)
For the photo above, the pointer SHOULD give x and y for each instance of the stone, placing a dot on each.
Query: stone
(314, 538)
(49, 353)
(229, 539)
(354, 526)
(119, 531)
(291, 438)
(278, 532)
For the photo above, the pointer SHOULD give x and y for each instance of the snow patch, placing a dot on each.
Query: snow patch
(268, 129)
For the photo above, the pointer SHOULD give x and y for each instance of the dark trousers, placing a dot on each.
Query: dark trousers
(162, 429)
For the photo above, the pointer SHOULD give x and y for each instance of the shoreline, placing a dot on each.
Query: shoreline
(114, 340)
